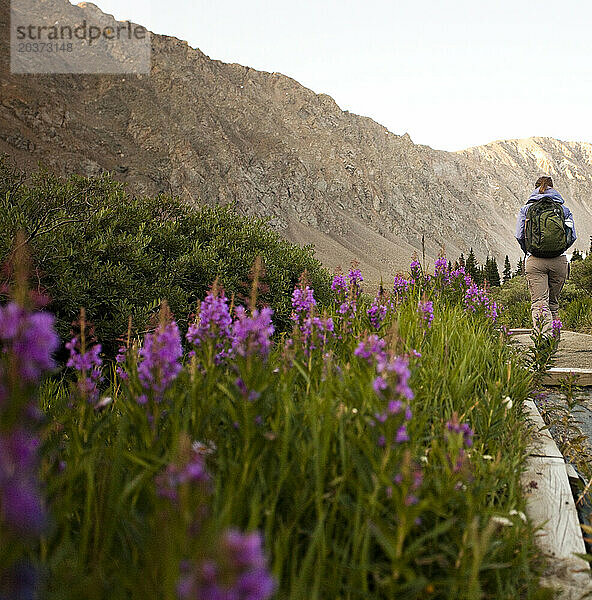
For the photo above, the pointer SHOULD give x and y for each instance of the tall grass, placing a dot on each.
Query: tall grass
(355, 497)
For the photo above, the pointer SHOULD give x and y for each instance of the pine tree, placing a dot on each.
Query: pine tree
(507, 269)
(471, 265)
(576, 256)
(449, 266)
(479, 275)
(519, 268)
(456, 265)
(492, 272)
(462, 263)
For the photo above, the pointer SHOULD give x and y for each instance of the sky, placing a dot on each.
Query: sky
(450, 73)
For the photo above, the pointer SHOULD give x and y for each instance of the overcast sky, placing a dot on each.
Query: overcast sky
(451, 73)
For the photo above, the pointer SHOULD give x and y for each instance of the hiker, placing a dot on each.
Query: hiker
(545, 230)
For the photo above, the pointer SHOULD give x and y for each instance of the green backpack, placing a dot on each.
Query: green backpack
(545, 234)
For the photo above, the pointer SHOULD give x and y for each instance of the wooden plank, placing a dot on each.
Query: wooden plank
(571, 472)
(542, 442)
(550, 505)
(519, 331)
(554, 375)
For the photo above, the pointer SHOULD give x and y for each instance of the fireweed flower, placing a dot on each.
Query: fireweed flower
(303, 302)
(460, 277)
(237, 572)
(441, 267)
(318, 330)
(402, 435)
(313, 330)
(213, 323)
(88, 365)
(20, 496)
(30, 338)
(415, 269)
(159, 359)
(426, 310)
(339, 283)
(476, 299)
(401, 288)
(27, 343)
(461, 428)
(250, 395)
(371, 349)
(556, 326)
(400, 366)
(377, 311)
(193, 471)
(252, 335)
(119, 361)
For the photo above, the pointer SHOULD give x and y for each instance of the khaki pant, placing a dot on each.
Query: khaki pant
(545, 278)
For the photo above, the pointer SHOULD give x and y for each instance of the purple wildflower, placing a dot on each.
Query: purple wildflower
(120, 360)
(213, 323)
(355, 276)
(239, 573)
(252, 335)
(402, 435)
(377, 312)
(379, 384)
(476, 299)
(454, 426)
(88, 364)
(371, 349)
(303, 302)
(399, 366)
(192, 471)
(400, 285)
(159, 362)
(440, 267)
(556, 326)
(20, 497)
(30, 338)
(426, 310)
(339, 283)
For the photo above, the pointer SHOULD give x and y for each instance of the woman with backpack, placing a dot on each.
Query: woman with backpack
(545, 230)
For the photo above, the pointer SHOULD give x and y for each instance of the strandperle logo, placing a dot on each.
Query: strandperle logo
(91, 33)
(51, 38)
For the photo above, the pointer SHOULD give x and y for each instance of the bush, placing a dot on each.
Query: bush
(95, 246)
(514, 298)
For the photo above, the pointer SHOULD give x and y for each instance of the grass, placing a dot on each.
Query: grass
(346, 511)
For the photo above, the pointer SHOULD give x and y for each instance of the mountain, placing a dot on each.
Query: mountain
(214, 132)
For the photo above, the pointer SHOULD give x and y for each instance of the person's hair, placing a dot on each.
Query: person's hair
(543, 183)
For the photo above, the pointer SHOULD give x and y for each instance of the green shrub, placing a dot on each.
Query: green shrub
(95, 246)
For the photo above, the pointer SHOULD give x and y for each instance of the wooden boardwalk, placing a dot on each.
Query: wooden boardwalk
(574, 355)
(550, 502)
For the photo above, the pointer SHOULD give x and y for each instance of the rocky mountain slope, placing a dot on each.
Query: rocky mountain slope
(215, 132)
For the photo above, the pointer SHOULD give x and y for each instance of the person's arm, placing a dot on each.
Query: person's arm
(571, 226)
(520, 228)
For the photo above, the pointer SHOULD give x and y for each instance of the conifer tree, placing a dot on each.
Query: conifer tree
(519, 268)
(491, 272)
(507, 269)
(471, 265)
